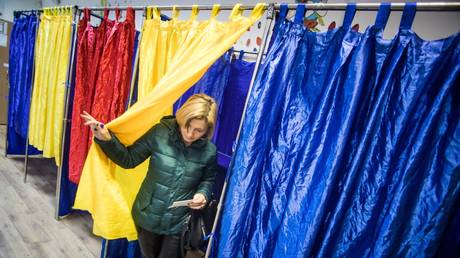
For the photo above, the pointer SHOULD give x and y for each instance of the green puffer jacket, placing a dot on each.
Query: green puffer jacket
(176, 172)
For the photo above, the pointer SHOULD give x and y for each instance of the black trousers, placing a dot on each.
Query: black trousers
(158, 246)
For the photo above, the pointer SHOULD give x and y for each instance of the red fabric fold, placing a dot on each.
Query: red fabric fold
(103, 75)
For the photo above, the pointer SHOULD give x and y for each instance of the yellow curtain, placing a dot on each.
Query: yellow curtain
(180, 52)
(48, 97)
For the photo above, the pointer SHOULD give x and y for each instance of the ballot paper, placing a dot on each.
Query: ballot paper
(180, 203)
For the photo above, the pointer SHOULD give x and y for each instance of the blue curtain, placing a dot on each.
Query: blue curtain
(120, 248)
(231, 107)
(21, 59)
(350, 146)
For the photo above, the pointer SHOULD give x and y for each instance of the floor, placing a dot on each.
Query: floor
(27, 224)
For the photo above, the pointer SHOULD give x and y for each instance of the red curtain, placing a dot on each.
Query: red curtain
(103, 74)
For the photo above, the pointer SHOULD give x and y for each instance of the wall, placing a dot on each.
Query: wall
(7, 7)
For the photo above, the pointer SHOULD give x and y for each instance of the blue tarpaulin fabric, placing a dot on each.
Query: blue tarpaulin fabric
(21, 59)
(350, 146)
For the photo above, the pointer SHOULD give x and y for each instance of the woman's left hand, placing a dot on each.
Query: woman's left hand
(198, 202)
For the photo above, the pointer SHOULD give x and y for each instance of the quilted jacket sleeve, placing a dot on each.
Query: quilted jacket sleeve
(130, 156)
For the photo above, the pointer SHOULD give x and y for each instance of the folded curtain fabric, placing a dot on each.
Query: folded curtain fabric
(52, 59)
(108, 193)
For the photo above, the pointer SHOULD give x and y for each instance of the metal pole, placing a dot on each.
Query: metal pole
(268, 26)
(76, 18)
(22, 156)
(26, 155)
(428, 6)
(95, 15)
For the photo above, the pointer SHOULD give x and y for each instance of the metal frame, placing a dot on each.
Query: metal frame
(428, 7)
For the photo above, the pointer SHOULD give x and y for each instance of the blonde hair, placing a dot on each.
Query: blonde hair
(198, 106)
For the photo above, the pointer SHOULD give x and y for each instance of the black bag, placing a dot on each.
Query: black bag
(198, 227)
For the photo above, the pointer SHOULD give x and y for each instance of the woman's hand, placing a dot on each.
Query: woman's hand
(98, 129)
(198, 202)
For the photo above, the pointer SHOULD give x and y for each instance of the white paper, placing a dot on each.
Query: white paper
(180, 203)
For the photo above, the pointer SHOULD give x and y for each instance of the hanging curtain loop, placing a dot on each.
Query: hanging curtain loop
(195, 12)
(215, 10)
(175, 13)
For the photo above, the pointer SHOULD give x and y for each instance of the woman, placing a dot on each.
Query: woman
(182, 166)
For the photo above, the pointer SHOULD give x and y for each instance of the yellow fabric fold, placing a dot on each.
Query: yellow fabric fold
(48, 96)
(174, 55)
